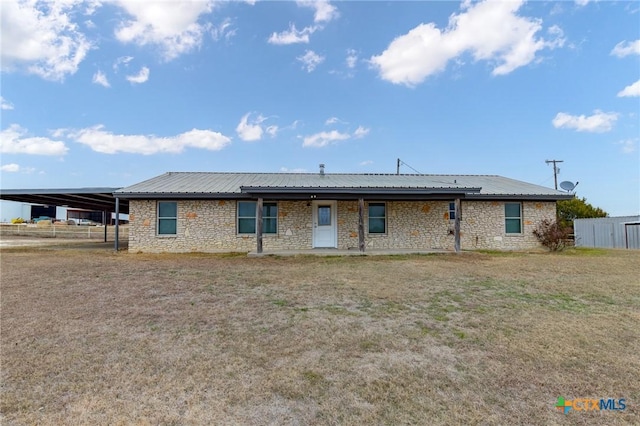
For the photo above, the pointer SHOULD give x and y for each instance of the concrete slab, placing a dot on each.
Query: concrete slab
(336, 252)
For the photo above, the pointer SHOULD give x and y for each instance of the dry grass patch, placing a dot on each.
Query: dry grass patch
(98, 337)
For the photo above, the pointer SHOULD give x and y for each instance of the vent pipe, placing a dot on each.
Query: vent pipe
(321, 169)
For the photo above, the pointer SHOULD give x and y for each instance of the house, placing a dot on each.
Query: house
(211, 212)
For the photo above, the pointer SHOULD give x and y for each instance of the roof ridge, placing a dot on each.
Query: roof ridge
(336, 174)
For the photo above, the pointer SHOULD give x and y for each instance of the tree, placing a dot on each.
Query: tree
(577, 208)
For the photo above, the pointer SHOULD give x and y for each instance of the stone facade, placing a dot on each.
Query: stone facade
(211, 226)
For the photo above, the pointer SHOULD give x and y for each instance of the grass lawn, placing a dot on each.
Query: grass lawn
(95, 337)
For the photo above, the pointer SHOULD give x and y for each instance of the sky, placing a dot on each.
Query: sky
(110, 93)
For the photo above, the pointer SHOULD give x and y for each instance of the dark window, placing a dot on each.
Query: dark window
(512, 218)
(377, 218)
(167, 218)
(247, 217)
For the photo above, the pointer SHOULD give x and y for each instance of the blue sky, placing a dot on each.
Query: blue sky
(110, 93)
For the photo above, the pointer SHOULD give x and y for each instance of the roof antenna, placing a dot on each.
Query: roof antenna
(402, 163)
(321, 169)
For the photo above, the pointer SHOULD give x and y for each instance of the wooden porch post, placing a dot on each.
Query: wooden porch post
(259, 225)
(361, 224)
(456, 225)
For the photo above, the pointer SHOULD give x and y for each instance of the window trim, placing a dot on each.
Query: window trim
(159, 218)
(520, 218)
(369, 217)
(255, 217)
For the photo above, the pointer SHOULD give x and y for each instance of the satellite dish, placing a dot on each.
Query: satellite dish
(567, 186)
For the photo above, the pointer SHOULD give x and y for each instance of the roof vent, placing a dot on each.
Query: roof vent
(321, 169)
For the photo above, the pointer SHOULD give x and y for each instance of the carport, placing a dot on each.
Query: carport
(82, 198)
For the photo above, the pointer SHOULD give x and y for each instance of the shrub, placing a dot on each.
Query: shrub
(17, 220)
(552, 235)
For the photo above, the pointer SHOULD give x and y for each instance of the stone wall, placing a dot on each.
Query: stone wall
(210, 226)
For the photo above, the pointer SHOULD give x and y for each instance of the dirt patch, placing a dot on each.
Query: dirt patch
(94, 336)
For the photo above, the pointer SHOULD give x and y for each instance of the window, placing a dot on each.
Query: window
(324, 215)
(167, 218)
(452, 211)
(512, 218)
(247, 217)
(377, 218)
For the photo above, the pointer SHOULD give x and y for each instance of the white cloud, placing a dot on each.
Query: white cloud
(10, 168)
(322, 139)
(223, 31)
(172, 26)
(100, 78)
(292, 36)
(296, 170)
(310, 60)
(352, 58)
(333, 120)
(361, 132)
(139, 78)
(324, 10)
(12, 141)
(106, 142)
(272, 130)
(599, 122)
(5, 104)
(41, 37)
(365, 163)
(123, 60)
(582, 2)
(632, 90)
(628, 146)
(250, 131)
(626, 48)
(491, 31)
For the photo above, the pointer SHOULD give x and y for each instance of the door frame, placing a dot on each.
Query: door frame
(334, 221)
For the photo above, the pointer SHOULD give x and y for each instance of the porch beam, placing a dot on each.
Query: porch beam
(361, 224)
(259, 225)
(456, 225)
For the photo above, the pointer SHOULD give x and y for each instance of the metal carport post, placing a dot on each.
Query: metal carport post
(117, 230)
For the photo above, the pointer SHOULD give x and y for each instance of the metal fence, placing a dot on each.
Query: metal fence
(63, 231)
(608, 232)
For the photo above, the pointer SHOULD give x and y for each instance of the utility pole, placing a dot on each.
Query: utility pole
(398, 167)
(556, 170)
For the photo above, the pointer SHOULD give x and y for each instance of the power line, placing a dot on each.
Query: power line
(556, 170)
(400, 162)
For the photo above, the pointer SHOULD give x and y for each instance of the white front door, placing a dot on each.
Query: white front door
(325, 227)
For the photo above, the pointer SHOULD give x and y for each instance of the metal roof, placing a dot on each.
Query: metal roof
(82, 198)
(246, 185)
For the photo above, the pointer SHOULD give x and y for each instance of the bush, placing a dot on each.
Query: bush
(17, 220)
(552, 235)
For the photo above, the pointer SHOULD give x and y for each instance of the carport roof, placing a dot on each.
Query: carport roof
(82, 198)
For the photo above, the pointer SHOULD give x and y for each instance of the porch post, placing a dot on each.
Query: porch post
(105, 223)
(361, 224)
(259, 225)
(456, 225)
(117, 230)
